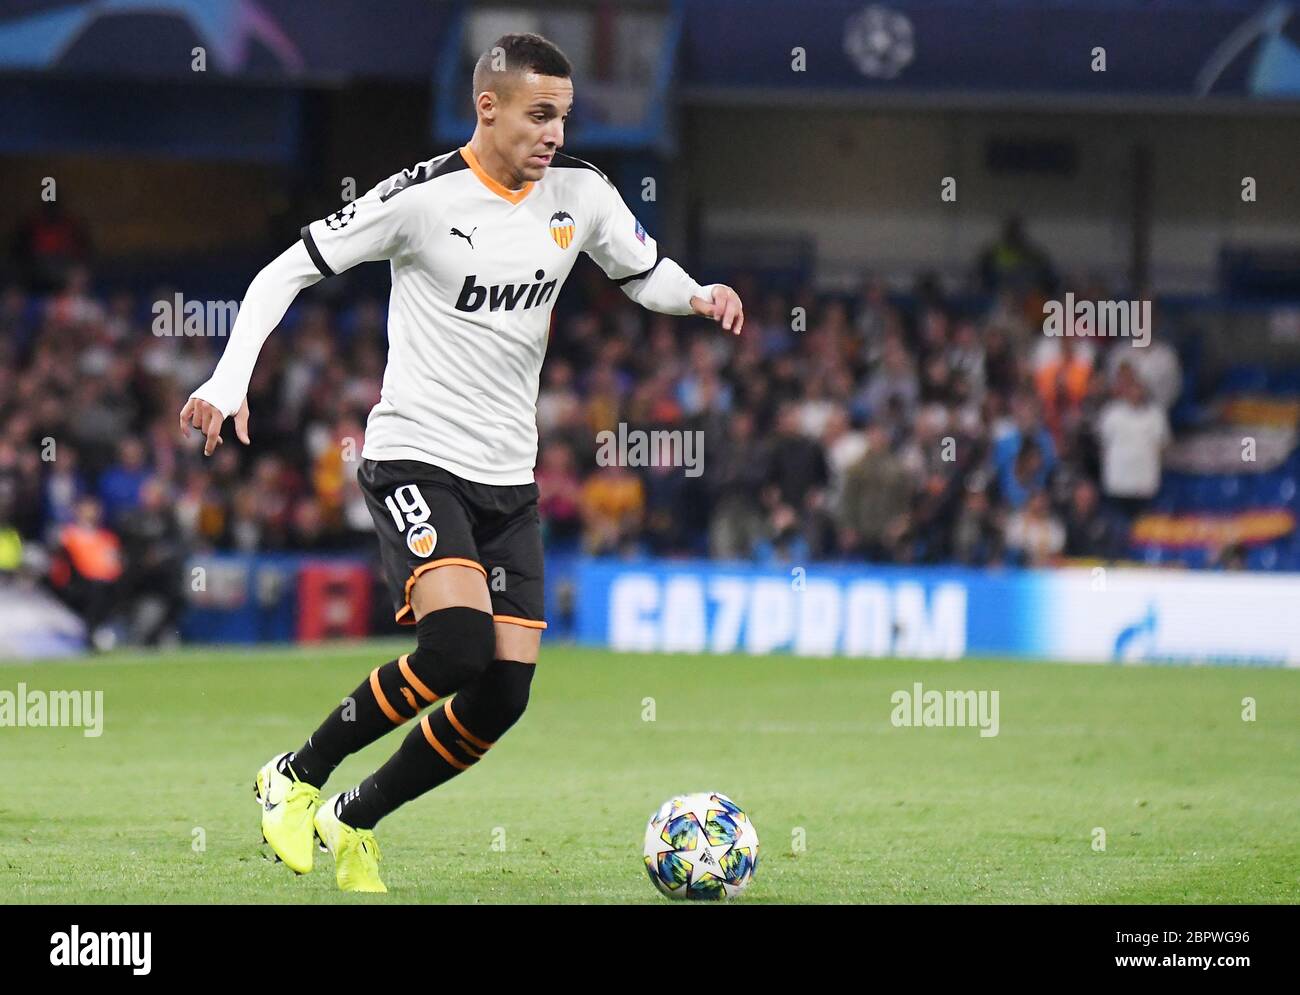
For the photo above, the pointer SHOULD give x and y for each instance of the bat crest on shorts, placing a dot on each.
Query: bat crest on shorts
(421, 539)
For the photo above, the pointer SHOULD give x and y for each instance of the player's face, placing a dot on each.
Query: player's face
(530, 126)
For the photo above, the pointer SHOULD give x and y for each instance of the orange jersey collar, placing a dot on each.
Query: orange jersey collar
(514, 196)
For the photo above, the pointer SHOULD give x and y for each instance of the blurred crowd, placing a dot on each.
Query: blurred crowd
(862, 426)
(848, 427)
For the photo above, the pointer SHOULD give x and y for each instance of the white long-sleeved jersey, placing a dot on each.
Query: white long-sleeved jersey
(476, 269)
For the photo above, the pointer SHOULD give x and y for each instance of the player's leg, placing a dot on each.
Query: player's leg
(454, 640)
(456, 736)
(441, 599)
(483, 711)
(487, 708)
(454, 645)
(437, 584)
(432, 567)
(344, 824)
(417, 515)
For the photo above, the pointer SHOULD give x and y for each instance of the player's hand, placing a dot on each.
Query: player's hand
(724, 308)
(207, 419)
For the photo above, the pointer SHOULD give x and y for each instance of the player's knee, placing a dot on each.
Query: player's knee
(513, 681)
(455, 646)
(498, 700)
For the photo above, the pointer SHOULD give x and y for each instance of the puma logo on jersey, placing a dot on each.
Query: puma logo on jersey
(468, 238)
(504, 296)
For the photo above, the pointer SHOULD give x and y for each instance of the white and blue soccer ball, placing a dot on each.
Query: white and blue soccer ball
(700, 846)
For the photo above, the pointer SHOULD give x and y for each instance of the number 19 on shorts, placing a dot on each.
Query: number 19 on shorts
(407, 506)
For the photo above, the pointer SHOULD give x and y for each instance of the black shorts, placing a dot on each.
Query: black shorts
(428, 517)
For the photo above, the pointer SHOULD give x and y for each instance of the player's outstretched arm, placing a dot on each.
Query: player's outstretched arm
(622, 247)
(669, 289)
(225, 392)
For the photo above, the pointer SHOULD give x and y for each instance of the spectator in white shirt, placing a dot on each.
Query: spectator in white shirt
(1156, 365)
(1133, 431)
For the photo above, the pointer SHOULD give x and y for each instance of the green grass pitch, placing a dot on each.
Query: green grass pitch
(1197, 805)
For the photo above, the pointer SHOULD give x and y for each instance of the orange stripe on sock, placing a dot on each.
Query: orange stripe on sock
(482, 744)
(378, 692)
(420, 688)
(476, 754)
(433, 741)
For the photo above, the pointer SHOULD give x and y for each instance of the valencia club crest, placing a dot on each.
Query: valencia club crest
(562, 228)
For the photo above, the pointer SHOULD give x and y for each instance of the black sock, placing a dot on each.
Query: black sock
(450, 641)
(361, 807)
(435, 751)
(291, 767)
(357, 722)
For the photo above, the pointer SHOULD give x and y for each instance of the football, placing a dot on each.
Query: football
(700, 846)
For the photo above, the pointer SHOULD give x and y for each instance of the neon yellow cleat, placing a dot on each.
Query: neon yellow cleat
(356, 851)
(288, 806)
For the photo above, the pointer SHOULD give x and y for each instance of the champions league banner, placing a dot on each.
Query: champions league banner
(1090, 48)
(1095, 48)
(256, 39)
(1087, 615)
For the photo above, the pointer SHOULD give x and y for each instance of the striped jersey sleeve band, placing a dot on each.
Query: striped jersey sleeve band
(314, 252)
(637, 276)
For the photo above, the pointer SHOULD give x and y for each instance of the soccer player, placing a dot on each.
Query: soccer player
(480, 241)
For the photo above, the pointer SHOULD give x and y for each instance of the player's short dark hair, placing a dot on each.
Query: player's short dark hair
(518, 53)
